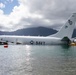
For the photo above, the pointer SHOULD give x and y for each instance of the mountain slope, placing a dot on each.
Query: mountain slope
(35, 31)
(42, 31)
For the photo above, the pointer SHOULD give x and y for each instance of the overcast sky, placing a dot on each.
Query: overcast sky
(17, 14)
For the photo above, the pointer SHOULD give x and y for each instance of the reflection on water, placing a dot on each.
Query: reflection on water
(37, 60)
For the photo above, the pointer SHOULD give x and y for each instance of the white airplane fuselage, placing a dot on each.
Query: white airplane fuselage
(63, 36)
(31, 40)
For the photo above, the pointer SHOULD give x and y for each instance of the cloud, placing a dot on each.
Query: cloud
(9, 0)
(33, 13)
(2, 5)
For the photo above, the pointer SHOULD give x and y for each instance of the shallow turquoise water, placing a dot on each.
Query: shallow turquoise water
(37, 60)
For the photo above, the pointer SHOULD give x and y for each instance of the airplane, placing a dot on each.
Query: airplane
(62, 37)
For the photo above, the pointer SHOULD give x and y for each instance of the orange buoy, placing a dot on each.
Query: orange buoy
(5, 46)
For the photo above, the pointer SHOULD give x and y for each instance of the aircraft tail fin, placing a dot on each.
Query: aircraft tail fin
(67, 29)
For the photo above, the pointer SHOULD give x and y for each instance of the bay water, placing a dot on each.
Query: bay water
(37, 60)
